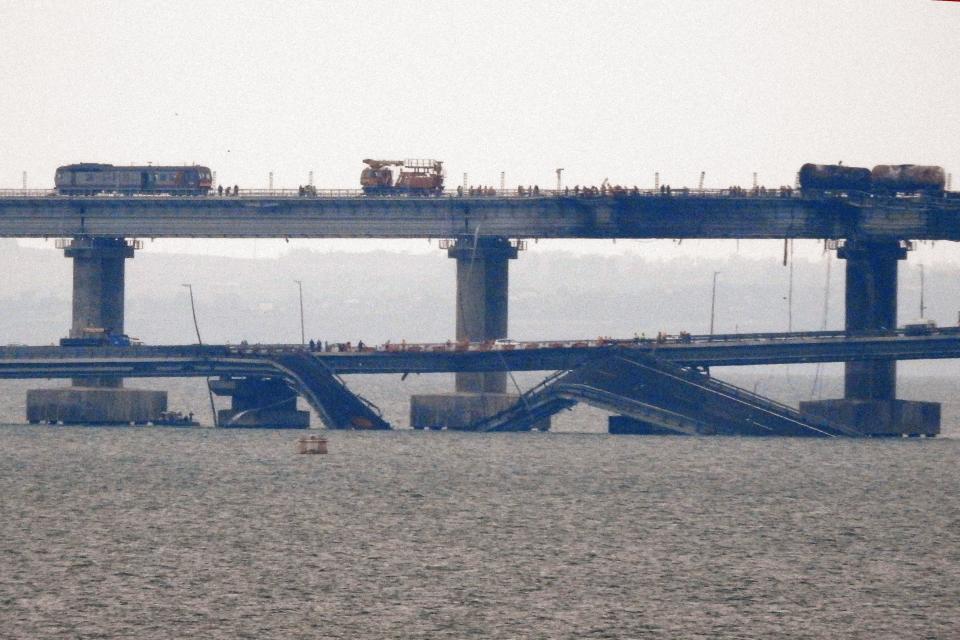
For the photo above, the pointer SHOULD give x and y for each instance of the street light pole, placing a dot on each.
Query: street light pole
(303, 336)
(196, 326)
(713, 300)
(193, 310)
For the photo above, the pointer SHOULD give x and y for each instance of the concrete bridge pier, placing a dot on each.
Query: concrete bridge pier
(481, 312)
(98, 300)
(870, 401)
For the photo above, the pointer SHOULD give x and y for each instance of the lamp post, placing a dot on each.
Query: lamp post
(196, 326)
(303, 336)
(713, 300)
(193, 310)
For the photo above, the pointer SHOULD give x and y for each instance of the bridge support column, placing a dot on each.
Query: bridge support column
(870, 387)
(98, 299)
(481, 312)
(259, 403)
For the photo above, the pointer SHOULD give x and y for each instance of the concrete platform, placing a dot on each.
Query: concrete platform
(880, 418)
(458, 410)
(95, 405)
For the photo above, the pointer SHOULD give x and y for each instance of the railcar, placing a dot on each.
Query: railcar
(908, 178)
(882, 180)
(93, 178)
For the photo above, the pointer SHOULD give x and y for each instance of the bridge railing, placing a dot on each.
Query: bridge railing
(585, 193)
(588, 193)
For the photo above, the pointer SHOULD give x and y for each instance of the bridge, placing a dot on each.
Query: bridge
(188, 361)
(483, 234)
(552, 214)
(315, 374)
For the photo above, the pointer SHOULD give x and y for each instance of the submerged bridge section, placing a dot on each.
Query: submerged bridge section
(658, 396)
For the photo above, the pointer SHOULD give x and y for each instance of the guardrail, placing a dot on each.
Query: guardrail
(488, 194)
(452, 347)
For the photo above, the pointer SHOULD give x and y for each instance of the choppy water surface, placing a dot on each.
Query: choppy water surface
(165, 533)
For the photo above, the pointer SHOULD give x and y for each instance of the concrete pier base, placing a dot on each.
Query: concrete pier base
(95, 405)
(623, 425)
(880, 418)
(259, 403)
(458, 410)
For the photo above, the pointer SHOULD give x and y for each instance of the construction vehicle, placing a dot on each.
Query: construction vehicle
(417, 177)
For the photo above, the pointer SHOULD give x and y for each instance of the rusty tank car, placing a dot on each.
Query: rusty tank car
(908, 179)
(837, 178)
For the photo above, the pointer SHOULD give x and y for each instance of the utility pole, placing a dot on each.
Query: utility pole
(713, 300)
(196, 326)
(24, 180)
(656, 180)
(559, 181)
(271, 181)
(310, 178)
(303, 337)
(193, 310)
(503, 182)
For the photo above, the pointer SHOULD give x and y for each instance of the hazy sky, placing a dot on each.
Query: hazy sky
(612, 90)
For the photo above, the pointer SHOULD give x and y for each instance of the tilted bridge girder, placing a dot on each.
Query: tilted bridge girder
(663, 394)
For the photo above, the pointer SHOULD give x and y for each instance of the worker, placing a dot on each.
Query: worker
(220, 190)
(312, 344)
(459, 191)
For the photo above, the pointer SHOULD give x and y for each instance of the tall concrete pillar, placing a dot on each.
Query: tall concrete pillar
(98, 291)
(481, 312)
(871, 306)
(98, 297)
(870, 387)
(481, 306)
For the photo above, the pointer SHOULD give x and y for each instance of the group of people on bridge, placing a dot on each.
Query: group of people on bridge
(759, 191)
(226, 192)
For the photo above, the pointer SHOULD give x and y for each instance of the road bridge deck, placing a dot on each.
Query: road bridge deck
(259, 360)
(349, 214)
